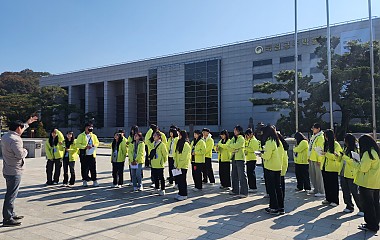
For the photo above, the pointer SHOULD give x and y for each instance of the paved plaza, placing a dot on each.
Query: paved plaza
(55, 212)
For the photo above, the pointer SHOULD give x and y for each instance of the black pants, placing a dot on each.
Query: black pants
(273, 183)
(147, 161)
(302, 175)
(251, 174)
(88, 164)
(182, 183)
(225, 174)
(66, 165)
(118, 173)
(56, 164)
(197, 169)
(208, 172)
(171, 167)
(158, 178)
(331, 184)
(350, 188)
(370, 202)
(283, 186)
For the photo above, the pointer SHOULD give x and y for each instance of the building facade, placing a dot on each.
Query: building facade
(204, 88)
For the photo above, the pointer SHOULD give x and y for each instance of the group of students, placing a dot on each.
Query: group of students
(321, 160)
(357, 165)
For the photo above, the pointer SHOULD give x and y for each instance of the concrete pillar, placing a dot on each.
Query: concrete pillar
(126, 115)
(70, 101)
(106, 104)
(86, 97)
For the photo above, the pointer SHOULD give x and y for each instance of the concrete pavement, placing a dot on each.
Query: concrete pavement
(55, 212)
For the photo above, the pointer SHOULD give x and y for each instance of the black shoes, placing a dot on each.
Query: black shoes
(364, 227)
(11, 223)
(18, 217)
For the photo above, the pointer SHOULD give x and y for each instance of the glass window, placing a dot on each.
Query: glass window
(289, 59)
(262, 62)
(201, 92)
(262, 75)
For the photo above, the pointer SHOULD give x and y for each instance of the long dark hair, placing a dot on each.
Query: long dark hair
(174, 131)
(115, 145)
(366, 144)
(67, 142)
(269, 133)
(181, 142)
(299, 137)
(329, 141)
(350, 144)
(284, 143)
(240, 130)
(134, 130)
(154, 128)
(225, 133)
(141, 138)
(53, 141)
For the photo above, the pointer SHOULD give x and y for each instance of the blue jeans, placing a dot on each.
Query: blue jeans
(136, 175)
(13, 185)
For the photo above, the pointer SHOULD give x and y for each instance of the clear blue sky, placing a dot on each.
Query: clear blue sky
(66, 35)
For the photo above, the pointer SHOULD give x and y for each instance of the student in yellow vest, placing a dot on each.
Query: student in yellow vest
(159, 156)
(238, 175)
(272, 170)
(118, 155)
(301, 162)
(171, 146)
(54, 154)
(347, 174)
(87, 143)
(316, 142)
(224, 159)
(130, 139)
(71, 155)
(182, 159)
(330, 167)
(136, 156)
(208, 172)
(252, 147)
(367, 178)
(198, 150)
(283, 149)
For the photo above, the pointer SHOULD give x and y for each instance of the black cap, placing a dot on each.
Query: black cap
(88, 125)
(205, 130)
(317, 125)
(121, 131)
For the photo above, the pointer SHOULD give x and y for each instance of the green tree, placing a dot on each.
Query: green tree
(285, 82)
(351, 81)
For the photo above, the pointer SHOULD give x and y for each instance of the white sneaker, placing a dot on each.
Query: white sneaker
(119, 186)
(196, 189)
(310, 192)
(95, 184)
(161, 192)
(129, 184)
(181, 198)
(175, 186)
(85, 183)
(325, 202)
(242, 196)
(333, 204)
(266, 196)
(140, 189)
(169, 184)
(153, 185)
(361, 214)
(346, 210)
(252, 190)
(319, 195)
(114, 186)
